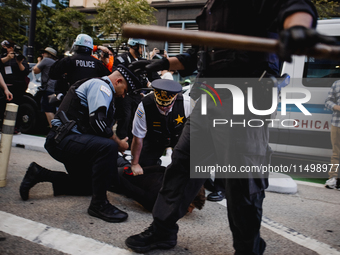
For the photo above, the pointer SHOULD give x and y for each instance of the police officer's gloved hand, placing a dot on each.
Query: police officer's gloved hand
(296, 39)
(150, 65)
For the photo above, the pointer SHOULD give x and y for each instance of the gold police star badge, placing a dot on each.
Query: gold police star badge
(179, 119)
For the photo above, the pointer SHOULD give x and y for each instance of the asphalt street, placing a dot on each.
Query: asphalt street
(302, 223)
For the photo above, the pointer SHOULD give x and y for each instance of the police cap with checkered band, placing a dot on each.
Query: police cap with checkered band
(165, 91)
(133, 79)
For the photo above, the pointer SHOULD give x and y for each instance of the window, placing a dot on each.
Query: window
(320, 72)
(177, 48)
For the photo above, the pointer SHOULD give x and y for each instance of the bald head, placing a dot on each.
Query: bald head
(119, 83)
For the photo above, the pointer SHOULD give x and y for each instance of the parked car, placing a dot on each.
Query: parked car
(30, 119)
(309, 138)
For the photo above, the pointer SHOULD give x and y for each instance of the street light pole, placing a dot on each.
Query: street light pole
(30, 50)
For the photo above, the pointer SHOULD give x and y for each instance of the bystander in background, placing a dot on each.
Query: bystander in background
(333, 103)
(49, 56)
(14, 69)
(5, 94)
(4, 91)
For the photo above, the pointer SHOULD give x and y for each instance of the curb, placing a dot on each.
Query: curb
(281, 183)
(29, 142)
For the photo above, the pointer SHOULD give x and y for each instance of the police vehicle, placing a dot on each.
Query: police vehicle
(307, 137)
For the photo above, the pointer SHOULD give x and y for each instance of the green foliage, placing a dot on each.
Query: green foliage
(60, 4)
(326, 9)
(55, 27)
(68, 23)
(44, 28)
(59, 27)
(113, 14)
(14, 17)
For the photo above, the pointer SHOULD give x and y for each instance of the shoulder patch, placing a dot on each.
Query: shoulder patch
(139, 113)
(121, 60)
(106, 90)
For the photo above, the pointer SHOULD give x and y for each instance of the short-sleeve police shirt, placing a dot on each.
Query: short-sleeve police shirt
(139, 127)
(95, 93)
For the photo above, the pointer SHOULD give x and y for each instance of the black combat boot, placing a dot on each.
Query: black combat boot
(151, 239)
(36, 174)
(216, 196)
(102, 209)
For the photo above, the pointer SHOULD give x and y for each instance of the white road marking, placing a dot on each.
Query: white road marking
(294, 236)
(55, 238)
(74, 244)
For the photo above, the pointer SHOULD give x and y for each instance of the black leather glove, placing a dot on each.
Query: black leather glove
(150, 65)
(296, 39)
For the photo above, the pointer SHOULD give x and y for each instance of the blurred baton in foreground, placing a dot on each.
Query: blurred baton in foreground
(223, 40)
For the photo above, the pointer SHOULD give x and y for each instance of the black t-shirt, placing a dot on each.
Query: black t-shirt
(11, 73)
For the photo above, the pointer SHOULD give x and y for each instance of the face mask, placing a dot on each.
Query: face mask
(164, 112)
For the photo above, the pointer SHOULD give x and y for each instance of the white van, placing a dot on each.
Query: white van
(310, 137)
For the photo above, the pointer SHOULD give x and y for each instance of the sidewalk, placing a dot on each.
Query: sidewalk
(280, 183)
(29, 142)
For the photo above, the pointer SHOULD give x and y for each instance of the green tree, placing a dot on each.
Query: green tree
(14, 17)
(113, 14)
(55, 27)
(59, 27)
(326, 9)
(68, 23)
(44, 32)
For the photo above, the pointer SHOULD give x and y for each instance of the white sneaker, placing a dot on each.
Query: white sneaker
(331, 183)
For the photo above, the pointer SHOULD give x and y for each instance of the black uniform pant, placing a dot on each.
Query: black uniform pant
(143, 188)
(179, 190)
(90, 161)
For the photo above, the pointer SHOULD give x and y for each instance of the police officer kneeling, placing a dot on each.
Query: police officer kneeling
(82, 139)
(158, 123)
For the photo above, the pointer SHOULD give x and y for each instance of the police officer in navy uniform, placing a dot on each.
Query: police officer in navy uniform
(82, 139)
(244, 195)
(128, 105)
(81, 65)
(158, 123)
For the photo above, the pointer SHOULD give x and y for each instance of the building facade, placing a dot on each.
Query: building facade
(178, 14)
